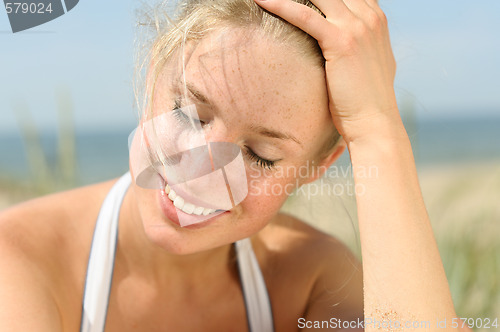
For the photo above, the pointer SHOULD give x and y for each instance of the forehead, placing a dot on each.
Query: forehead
(255, 82)
(251, 72)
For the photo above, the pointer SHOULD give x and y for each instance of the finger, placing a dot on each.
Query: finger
(360, 9)
(375, 6)
(372, 3)
(333, 9)
(373, 18)
(303, 17)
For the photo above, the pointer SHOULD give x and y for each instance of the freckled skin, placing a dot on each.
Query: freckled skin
(163, 273)
(250, 80)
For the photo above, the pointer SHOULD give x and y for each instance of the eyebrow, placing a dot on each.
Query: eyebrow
(263, 131)
(274, 134)
(197, 94)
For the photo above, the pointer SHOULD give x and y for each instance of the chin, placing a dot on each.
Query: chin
(172, 241)
(223, 229)
(178, 240)
(181, 242)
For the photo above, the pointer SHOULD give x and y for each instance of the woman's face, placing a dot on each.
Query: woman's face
(263, 97)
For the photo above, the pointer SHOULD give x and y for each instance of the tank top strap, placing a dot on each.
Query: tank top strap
(101, 264)
(257, 302)
(101, 259)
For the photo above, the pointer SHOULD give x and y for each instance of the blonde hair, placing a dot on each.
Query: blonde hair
(194, 19)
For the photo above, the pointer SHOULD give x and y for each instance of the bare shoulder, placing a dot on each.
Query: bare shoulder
(301, 242)
(52, 222)
(44, 245)
(314, 263)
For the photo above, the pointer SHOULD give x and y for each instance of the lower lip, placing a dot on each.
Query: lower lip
(171, 212)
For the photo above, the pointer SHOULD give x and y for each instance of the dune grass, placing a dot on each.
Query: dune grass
(45, 176)
(463, 204)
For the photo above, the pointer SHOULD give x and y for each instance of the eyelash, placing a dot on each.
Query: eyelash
(261, 162)
(184, 119)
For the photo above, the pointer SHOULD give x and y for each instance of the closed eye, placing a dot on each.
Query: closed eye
(185, 119)
(261, 162)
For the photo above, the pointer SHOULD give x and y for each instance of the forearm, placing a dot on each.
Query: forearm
(403, 274)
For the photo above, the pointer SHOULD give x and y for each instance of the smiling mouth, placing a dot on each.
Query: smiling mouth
(186, 207)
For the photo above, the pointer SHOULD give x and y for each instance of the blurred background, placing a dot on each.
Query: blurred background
(67, 107)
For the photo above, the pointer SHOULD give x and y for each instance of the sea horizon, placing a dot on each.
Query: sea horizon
(103, 153)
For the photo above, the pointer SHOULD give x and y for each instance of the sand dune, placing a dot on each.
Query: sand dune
(463, 202)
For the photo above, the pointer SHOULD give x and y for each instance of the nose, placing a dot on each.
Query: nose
(222, 143)
(217, 131)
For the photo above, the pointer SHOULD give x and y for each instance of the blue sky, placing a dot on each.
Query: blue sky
(448, 55)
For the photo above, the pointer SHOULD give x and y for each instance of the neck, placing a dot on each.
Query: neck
(143, 258)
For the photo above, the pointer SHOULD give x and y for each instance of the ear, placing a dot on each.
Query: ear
(327, 161)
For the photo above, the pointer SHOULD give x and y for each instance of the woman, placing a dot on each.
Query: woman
(267, 77)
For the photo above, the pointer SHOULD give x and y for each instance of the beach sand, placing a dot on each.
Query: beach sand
(457, 197)
(463, 202)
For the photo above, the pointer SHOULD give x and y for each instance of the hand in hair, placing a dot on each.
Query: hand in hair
(360, 65)
(403, 276)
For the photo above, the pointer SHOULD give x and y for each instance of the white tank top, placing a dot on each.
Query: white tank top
(101, 262)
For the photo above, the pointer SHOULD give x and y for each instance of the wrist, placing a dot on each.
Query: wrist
(390, 155)
(370, 129)
(380, 139)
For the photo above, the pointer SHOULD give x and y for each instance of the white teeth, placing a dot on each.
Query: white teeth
(179, 202)
(198, 210)
(188, 208)
(184, 206)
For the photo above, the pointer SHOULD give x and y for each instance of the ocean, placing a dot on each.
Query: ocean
(104, 155)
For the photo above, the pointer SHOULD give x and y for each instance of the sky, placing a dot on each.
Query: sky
(448, 55)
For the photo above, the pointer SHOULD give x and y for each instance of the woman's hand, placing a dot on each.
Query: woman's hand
(360, 66)
(403, 276)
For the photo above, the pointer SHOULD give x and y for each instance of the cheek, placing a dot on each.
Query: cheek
(266, 194)
(146, 200)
